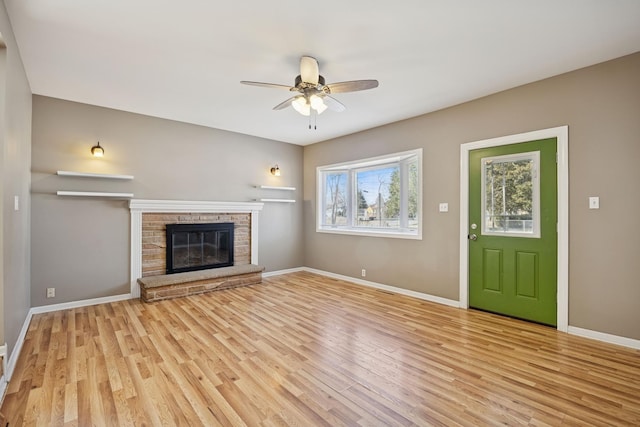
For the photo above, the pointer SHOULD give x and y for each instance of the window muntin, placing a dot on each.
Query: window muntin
(379, 196)
(511, 195)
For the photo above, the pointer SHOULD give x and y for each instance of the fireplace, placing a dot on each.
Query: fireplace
(199, 246)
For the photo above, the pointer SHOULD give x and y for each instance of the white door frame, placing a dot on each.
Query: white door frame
(562, 135)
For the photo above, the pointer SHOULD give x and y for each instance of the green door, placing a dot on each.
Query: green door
(513, 231)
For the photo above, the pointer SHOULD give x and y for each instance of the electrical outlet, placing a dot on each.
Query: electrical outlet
(364, 273)
(51, 292)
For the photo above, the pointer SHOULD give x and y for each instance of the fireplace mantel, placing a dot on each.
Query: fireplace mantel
(192, 206)
(140, 206)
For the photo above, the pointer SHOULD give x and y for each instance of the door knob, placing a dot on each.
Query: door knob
(472, 237)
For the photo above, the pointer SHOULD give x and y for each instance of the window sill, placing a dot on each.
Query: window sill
(412, 235)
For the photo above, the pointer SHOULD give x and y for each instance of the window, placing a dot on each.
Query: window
(511, 195)
(376, 197)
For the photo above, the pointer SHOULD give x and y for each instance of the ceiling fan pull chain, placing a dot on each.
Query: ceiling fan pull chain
(313, 114)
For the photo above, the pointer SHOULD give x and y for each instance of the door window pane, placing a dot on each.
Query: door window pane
(511, 195)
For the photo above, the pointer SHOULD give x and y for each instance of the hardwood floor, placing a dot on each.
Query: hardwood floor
(303, 350)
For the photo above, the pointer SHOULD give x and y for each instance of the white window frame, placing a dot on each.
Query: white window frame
(351, 167)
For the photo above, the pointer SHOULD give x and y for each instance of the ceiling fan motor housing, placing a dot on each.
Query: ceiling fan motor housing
(300, 85)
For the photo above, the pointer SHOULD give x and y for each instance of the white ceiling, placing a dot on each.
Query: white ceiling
(183, 60)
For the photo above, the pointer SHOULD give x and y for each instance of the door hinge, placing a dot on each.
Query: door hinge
(556, 157)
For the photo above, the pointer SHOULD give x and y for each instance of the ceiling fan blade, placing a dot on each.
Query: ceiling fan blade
(273, 85)
(309, 70)
(334, 104)
(285, 104)
(352, 86)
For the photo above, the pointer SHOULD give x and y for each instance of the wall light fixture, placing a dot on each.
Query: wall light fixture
(97, 150)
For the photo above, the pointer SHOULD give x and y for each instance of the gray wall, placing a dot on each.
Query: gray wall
(601, 106)
(15, 158)
(80, 246)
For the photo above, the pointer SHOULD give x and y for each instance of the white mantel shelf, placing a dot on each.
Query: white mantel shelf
(192, 206)
(140, 206)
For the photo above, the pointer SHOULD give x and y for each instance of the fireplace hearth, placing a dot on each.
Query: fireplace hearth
(192, 247)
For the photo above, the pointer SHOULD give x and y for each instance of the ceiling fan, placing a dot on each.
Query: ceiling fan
(314, 95)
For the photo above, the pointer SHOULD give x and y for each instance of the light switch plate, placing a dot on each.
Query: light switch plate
(444, 207)
(594, 202)
(16, 203)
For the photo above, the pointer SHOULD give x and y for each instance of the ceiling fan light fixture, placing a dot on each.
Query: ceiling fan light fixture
(317, 104)
(313, 94)
(301, 105)
(299, 102)
(321, 108)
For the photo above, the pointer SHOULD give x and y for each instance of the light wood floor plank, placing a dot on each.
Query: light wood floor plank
(305, 350)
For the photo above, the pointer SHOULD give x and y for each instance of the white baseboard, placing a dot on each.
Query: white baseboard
(279, 272)
(15, 352)
(76, 304)
(573, 330)
(4, 383)
(601, 336)
(3, 378)
(395, 290)
(13, 359)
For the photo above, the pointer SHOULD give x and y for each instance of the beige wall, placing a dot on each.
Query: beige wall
(80, 246)
(601, 106)
(15, 157)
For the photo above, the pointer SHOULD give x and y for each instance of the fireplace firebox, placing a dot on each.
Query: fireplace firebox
(193, 247)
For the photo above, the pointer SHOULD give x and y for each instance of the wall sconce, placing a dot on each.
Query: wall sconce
(97, 150)
(275, 171)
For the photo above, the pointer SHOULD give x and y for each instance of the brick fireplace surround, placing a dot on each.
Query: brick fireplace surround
(149, 218)
(154, 245)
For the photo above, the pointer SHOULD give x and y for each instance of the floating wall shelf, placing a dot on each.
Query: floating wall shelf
(271, 187)
(94, 175)
(95, 194)
(277, 200)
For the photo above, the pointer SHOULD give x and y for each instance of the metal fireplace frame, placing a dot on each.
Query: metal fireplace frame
(188, 228)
